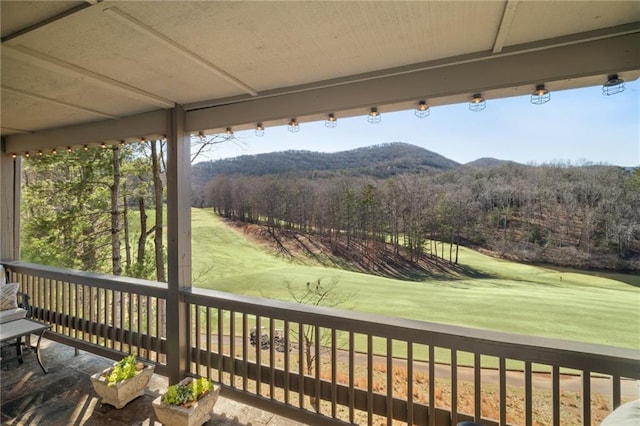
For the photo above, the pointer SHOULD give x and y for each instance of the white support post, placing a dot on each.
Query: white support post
(9, 206)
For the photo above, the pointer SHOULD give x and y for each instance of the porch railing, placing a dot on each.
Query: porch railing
(330, 366)
(103, 314)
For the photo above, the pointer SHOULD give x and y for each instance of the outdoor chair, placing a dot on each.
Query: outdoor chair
(13, 303)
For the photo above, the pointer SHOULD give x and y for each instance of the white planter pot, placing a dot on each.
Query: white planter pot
(175, 415)
(122, 392)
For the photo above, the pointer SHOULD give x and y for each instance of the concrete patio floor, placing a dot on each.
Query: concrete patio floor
(65, 396)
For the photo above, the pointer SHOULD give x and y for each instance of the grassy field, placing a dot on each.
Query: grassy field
(498, 295)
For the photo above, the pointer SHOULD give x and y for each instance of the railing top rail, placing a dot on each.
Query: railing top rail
(570, 354)
(111, 282)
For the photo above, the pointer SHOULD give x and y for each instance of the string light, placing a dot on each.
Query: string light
(477, 103)
(229, 132)
(14, 155)
(86, 147)
(331, 121)
(422, 110)
(54, 151)
(613, 86)
(259, 130)
(40, 153)
(293, 126)
(103, 145)
(26, 154)
(541, 95)
(69, 149)
(374, 116)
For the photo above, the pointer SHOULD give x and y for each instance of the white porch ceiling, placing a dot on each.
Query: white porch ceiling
(69, 63)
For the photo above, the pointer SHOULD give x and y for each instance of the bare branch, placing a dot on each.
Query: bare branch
(203, 144)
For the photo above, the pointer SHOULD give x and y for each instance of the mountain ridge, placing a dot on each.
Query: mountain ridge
(380, 161)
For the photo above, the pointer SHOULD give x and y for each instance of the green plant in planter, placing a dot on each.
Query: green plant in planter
(188, 403)
(126, 368)
(123, 382)
(186, 394)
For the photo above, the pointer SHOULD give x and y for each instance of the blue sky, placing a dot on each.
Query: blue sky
(575, 126)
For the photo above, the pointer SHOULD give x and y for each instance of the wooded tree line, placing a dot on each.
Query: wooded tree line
(78, 205)
(586, 216)
(88, 209)
(76, 210)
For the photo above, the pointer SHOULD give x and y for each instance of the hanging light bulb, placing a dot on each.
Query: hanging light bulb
(201, 136)
(374, 116)
(14, 155)
(86, 147)
(229, 132)
(40, 153)
(54, 151)
(477, 103)
(293, 126)
(541, 95)
(103, 145)
(422, 110)
(69, 149)
(26, 154)
(613, 86)
(259, 130)
(331, 121)
(122, 142)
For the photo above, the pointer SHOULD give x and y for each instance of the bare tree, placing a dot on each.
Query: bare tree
(202, 144)
(316, 293)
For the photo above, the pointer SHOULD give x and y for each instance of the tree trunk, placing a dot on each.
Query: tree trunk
(125, 224)
(451, 248)
(143, 234)
(156, 158)
(158, 199)
(116, 260)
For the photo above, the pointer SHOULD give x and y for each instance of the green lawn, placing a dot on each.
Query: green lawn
(508, 297)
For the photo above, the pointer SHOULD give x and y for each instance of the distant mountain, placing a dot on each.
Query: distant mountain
(378, 160)
(487, 162)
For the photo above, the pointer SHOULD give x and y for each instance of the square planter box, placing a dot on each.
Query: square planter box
(122, 392)
(197, 414)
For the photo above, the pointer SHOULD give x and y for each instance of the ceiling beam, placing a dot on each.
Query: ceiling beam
(45, 22)
(505, 25)
(449, 83)
(167, 42)
(148, 125)
(439, 82)
(12, 130)
(472, 58)
(57, 102)
(50, 63)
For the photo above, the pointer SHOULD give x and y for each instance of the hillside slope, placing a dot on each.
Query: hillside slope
(379, 161)
(537, 301)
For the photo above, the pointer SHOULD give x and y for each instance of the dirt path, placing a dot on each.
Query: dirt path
(630, 389)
